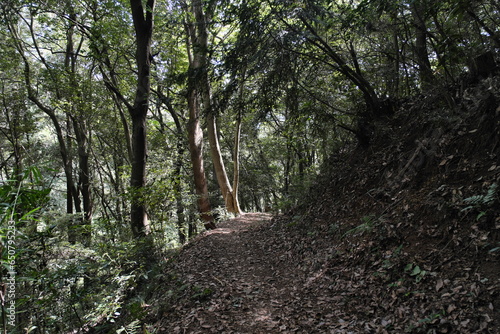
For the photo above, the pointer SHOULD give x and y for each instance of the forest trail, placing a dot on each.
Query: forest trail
(258, 274)
(239, 283)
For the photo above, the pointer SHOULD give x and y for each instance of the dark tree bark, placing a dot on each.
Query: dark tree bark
(82, 133)
(421, 53)
(179, 163)
(375, 107)
(143, 25)
(84, 186)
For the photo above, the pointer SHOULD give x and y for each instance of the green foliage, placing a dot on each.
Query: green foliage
(479, 200)
(20, 203)
(368, 224)
(294, 221)
(421, 325)
(22, 197)
(415, 271)
(201, 294)
(483, 202)
(61, 286)
(133, 327)
(89, 286)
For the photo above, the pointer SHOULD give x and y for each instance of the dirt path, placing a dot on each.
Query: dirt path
(239, 285)
(252, 275)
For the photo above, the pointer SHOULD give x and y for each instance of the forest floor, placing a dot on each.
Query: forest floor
(402, 237)
(240, 284)
(254, 275)
(243, 277)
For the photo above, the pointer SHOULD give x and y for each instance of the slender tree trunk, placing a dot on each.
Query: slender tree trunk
(72, 194)
(495, 37)
(220, 169)
(73, 201)
(126, 128)
(71, 190)
(200, 52)
(111, 82)
(236, 165)
(13, 126)
(237, 139)
(196, 149)
(84, 177)
(181, 218)
(394, 58)
(78, 121)
(374, 106)
(192, 227)
(195, 133)
(143, 25)
(421, 53)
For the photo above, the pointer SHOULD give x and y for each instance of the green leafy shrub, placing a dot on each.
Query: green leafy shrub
(482, 202)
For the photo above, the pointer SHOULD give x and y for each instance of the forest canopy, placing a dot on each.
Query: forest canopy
(127, 127)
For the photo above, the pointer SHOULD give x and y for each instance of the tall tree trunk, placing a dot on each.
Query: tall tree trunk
(220, 169)
(236, 164)
(138, 219)
(77, 118)
(195, 133)
(200, 53)
(237, 139)
(179, 163)
(143, 25)
(84, 177)
(196, 149)
(421, 53)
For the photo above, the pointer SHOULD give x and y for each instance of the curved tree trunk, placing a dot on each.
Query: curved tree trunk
(220, 169)
(375, 107)
(373, 103)
(72, 199)
(200, 53)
